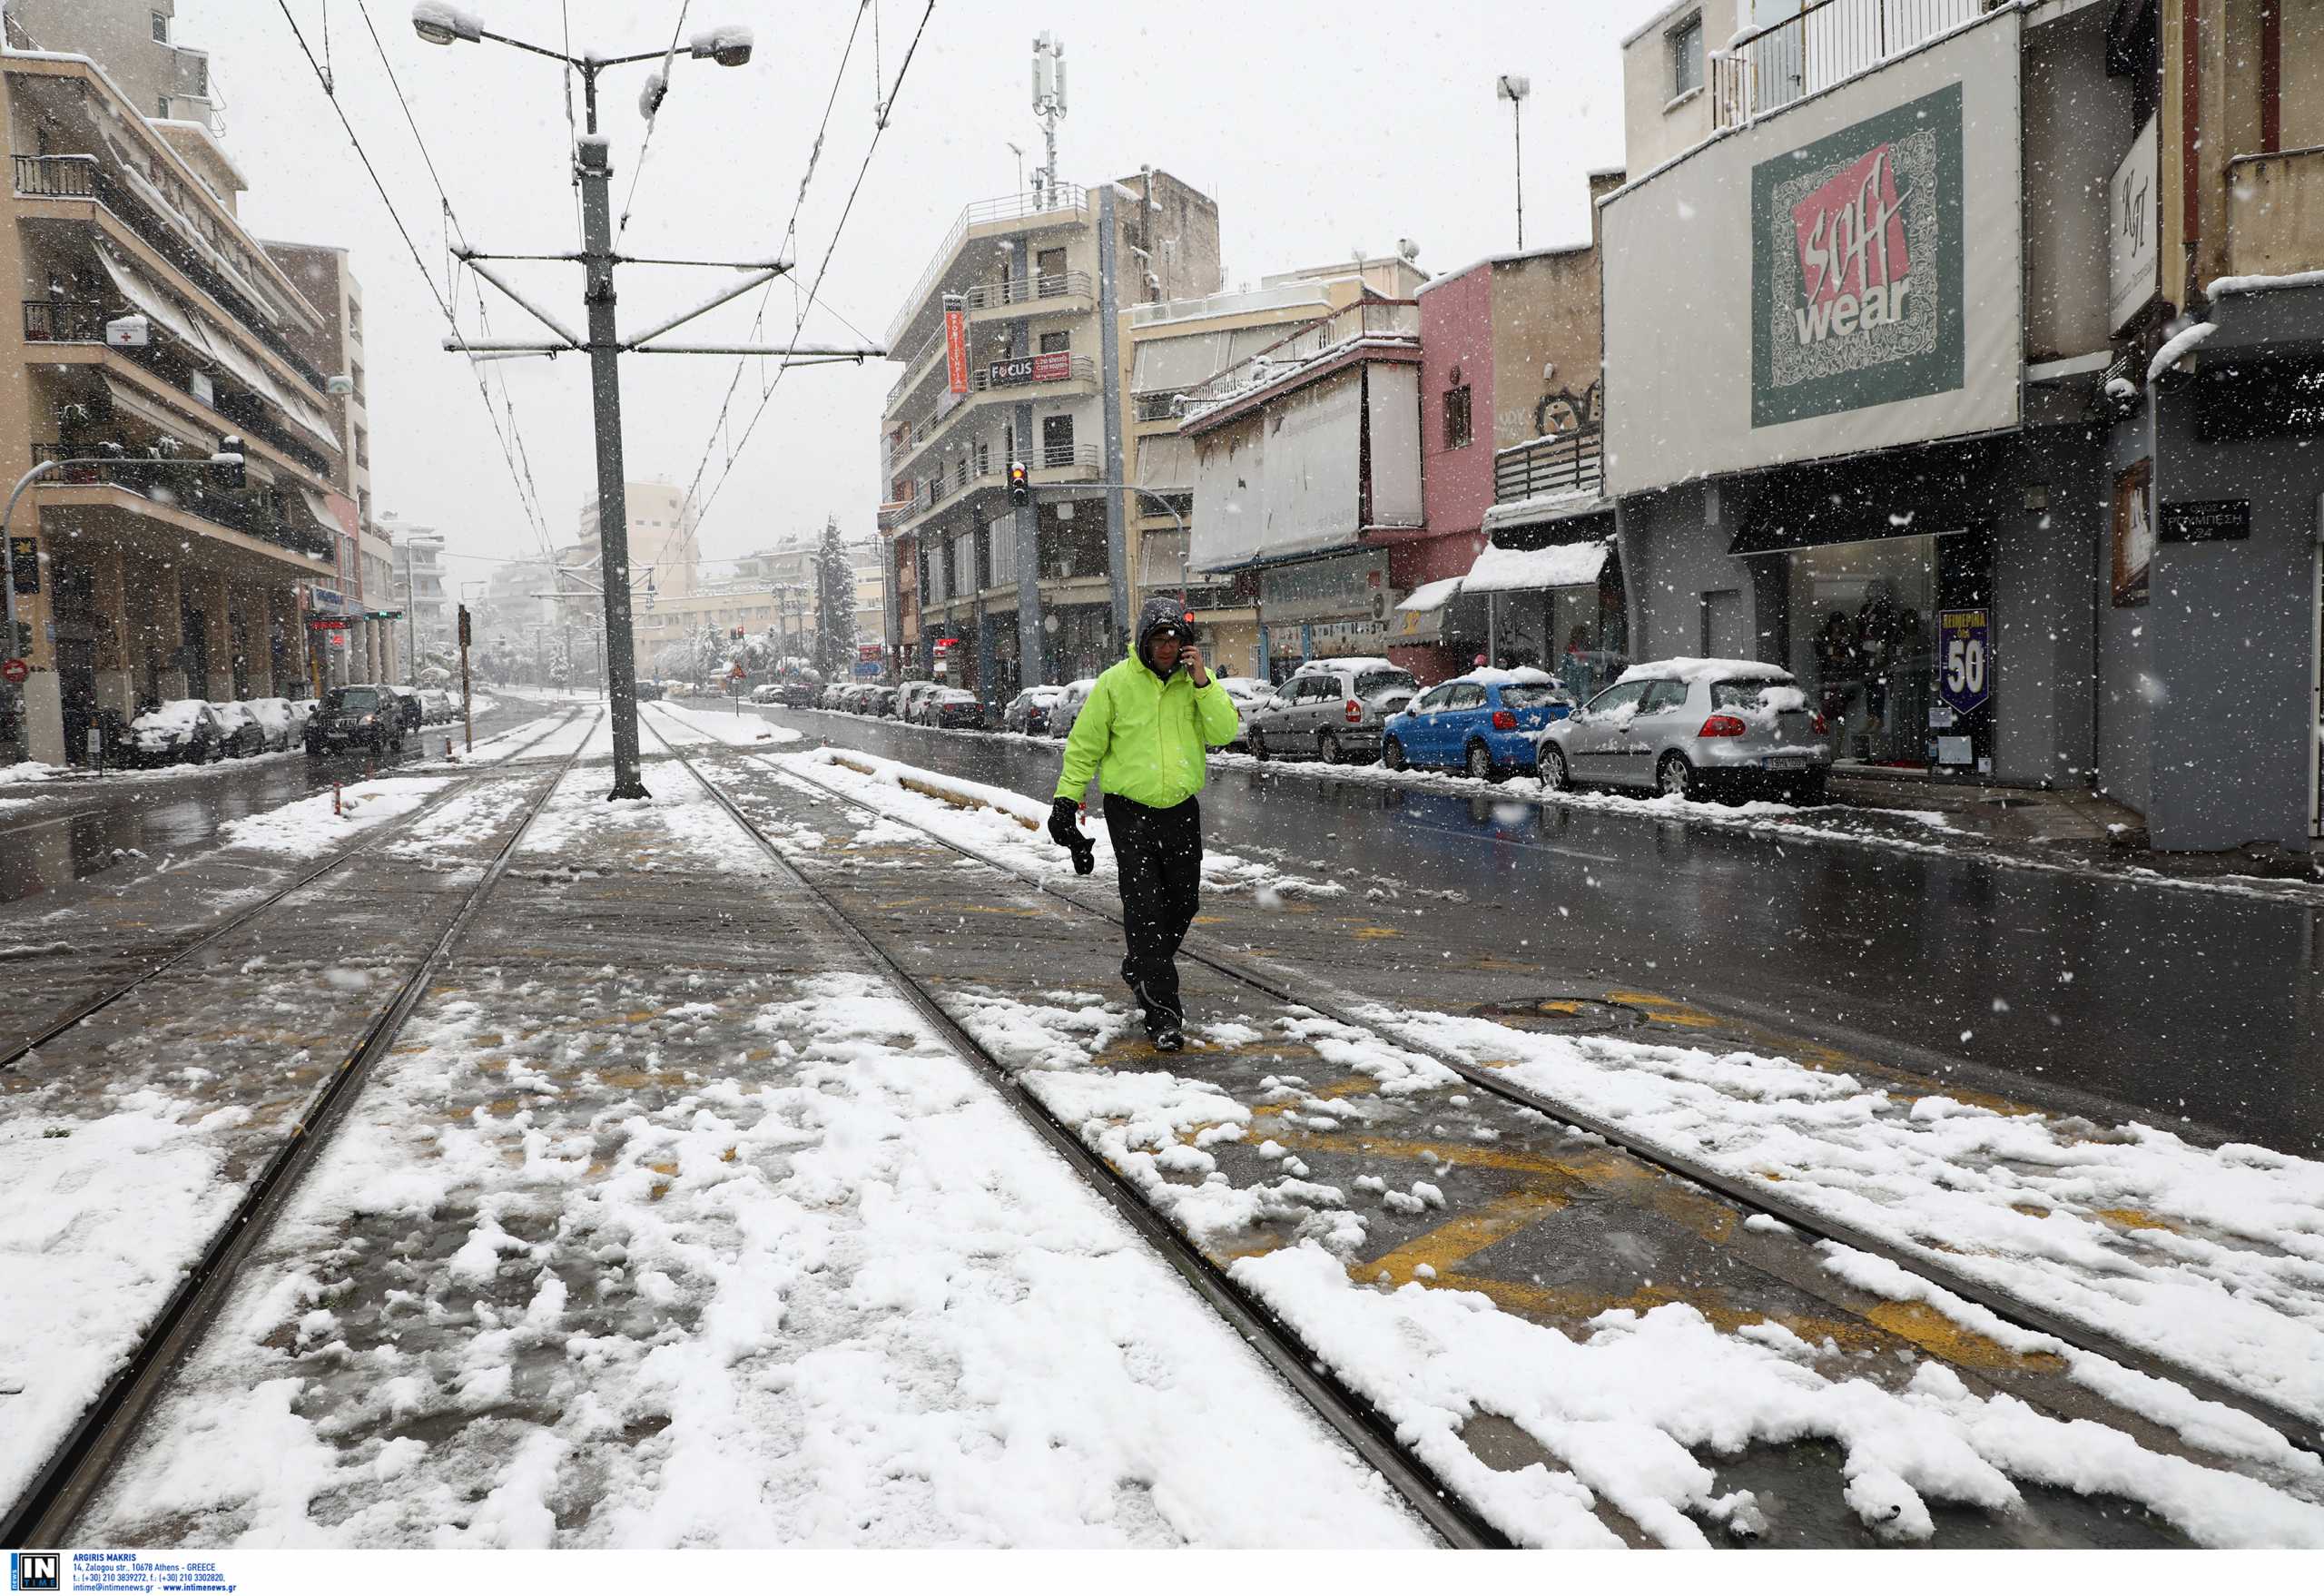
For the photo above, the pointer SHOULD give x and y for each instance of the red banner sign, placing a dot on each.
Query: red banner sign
(956, 345)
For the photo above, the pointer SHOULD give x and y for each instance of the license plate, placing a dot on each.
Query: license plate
(1788, 761)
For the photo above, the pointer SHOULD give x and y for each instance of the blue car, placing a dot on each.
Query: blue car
(1484, 723)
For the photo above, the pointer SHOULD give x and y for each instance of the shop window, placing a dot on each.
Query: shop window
(1687, 56)
(1458, 433)
(1861, 615)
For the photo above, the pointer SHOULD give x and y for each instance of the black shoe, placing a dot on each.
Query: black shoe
(1167, 1037)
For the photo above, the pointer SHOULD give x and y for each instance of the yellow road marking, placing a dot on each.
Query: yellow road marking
(1462, 1236)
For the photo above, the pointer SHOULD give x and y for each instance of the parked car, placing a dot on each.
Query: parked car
(648, 690)
(303, 710)
(239, 736)
(911, 696)
(878, 702)
(1331, 708)
(1248, 693)
(1069, 704)
(408, 705)
(1689, 727)
(799, 694)
(766, 693)
(182, 731)
(954, 706)
(362, 715)
(1485, 722)
(1031, 710)
(278, 722)
(438, 707)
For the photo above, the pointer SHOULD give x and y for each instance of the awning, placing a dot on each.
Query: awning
(1172, 365)
(130, 400)
(1161, 560)
(1430, 596)
(1511, 570)
(152, 303)
(1563, 505)
(1165, 464)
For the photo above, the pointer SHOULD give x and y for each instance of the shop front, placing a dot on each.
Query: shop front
(1330, 608)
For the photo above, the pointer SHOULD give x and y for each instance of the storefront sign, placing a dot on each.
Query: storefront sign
(956, 344)
(24, 553)
(2135, 232)
(2217, 520)
(1965, 658)
(1055, 366)
(2249, 397)
(1841, 276)
(1855, 265)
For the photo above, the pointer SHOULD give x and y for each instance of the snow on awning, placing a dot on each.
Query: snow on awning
(1512, 570)
(1165, 464)
(202, 437)
(1560, 505)
(1172, 365)
(1430, 596)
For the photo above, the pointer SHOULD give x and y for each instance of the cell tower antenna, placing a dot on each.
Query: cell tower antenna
(1049, 105)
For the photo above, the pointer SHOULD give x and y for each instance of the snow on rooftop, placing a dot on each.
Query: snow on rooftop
(1430, 596)
(1518, 512)
(1511, 259)
(1515, 570)
(2252, 285)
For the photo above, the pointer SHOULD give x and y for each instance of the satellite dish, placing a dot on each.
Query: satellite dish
(1407, 248)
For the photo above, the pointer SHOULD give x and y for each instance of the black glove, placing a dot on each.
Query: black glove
(1066, 832)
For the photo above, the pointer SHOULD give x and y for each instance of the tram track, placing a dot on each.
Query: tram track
(369, 841)
(76, 1468)
(1368, 1432)
(1307, 989)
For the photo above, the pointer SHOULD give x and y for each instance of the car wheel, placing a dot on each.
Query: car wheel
(1480, 765)
(1258, 744)
(1675, 777)
(1327, 747)
(1392, 753)
(1812, 791)
(1555, 777)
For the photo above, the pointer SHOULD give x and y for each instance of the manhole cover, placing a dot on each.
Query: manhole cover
(1564, 1015)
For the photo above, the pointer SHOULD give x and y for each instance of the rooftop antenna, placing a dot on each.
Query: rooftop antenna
(1049, 105)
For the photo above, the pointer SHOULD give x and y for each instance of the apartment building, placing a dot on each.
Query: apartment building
(1965, 362)
(132, 40)
(153, 327)
(1013, 350)
(1175, 346)
(426, 616)
(662, 537)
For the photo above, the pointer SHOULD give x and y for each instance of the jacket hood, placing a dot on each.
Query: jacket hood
(1153, 616)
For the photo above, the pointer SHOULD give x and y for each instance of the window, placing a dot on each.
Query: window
(1617, 699)
(1466, 695)
(1372, 684)
(1687, 56)
(362, 448)
(355, 319)
(1663, 697)
(1528, 696)
(161, 109)
(356, 374)
(1057, 342)
(1458, 433)
(160, 29)
(1431, 701)
(1057, 440)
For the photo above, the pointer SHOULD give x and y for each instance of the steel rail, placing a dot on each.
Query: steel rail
(72, 1473)
(1368, 1432)
(1312, 992)
(369, 839)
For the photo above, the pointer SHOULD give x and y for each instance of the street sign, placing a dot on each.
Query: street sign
(24, 553)
(2215, 520)
(15, 671)
(1965, 674)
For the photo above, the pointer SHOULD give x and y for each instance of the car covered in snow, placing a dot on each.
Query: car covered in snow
(1069, 704)
(438, 707)
(798, 694)
(182, 731)
(239, 734)
(280, 721)
(767, 693)
(1483, 722)
(911, 696)
(955, 707)
(1031, 710)
(1331, 709)
(1694, 727)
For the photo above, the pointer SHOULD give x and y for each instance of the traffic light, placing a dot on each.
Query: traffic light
(1020, 484)
(736, 634)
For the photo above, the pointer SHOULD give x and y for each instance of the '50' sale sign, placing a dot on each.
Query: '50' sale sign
(1964, 659)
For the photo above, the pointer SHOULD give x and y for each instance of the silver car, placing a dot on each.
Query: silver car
(911, 696)
(1688, 727)
(1069, 704)
(1332, 709)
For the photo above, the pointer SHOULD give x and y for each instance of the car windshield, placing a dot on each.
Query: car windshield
(1528, 696)
(358, 700)
(1373, 684)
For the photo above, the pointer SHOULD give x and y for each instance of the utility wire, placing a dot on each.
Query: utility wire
(637, 170)
(418, 259)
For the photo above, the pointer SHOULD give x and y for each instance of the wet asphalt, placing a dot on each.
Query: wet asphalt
(120, 824)
(2195, 1010)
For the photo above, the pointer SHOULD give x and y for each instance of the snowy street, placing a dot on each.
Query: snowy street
(666, 1218)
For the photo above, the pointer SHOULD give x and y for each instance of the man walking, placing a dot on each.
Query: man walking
(1142, 734)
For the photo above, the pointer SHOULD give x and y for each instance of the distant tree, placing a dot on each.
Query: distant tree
(834, 605)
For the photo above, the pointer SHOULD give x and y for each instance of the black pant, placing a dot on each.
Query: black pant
(1158, 854)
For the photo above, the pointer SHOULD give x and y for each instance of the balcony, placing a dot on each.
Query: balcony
(2275, 213)
(179, 485)
(64, 321)
(1059, 202)
(1054, 463)
(1827, 43)
(1564, 462)
(81, 177)
(1016, 290)
(1388, 321)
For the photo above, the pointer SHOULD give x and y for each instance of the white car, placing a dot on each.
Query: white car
(1076, 694)
(279, 721)
(1689, 727)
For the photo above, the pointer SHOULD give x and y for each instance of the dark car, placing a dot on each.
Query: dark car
(183, 731)
(408, 706)
(800, 694)
(360, 716)
(648, 690)
(1031, 710)
(955, 706)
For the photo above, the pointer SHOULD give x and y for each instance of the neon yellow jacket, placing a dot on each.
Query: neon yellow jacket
(1145, 736)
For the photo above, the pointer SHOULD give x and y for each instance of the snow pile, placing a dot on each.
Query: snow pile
(2256, 284)
(1685, 669)
(308, 828)
(1511, 570)
(2211, 1257)
(2178, 347)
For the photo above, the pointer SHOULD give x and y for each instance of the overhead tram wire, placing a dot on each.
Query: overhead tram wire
(418, 259)
(790, 232)
(887, 107)
(637, 167)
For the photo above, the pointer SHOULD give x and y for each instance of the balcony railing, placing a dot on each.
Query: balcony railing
(1563, 462)
(1073, 369)
(1066, 456)
(81, 177)
(64, 321)
(1026, 290)
(1059, 199)
(178, 484)
(1397, 321)
(1825, 43)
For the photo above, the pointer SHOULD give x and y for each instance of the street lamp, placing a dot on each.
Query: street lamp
(1513, 89)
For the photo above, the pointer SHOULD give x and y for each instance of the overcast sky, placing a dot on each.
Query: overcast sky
(1318, 127)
